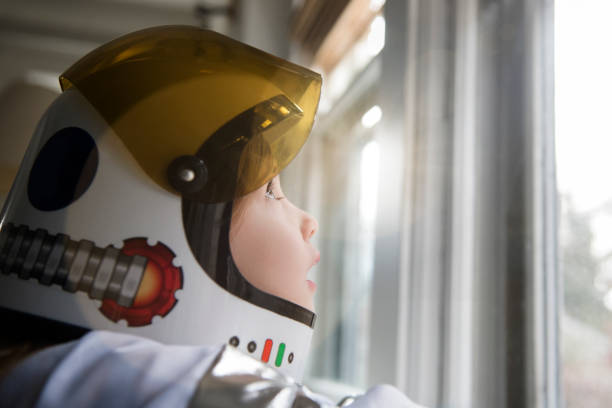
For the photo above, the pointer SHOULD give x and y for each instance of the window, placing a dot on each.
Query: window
(462, 300)
(584, 147)
(342, 160)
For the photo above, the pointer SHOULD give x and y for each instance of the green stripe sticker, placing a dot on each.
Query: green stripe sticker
(279, 355)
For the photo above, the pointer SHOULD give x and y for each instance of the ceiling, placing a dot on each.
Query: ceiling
(74, 26)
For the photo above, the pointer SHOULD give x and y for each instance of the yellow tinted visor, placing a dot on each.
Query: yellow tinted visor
(205, 116)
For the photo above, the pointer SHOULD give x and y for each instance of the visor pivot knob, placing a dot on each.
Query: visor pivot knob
(187, 174)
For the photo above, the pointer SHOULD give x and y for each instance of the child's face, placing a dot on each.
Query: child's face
(270, 244)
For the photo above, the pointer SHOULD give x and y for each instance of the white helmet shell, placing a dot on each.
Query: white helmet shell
(112, 252)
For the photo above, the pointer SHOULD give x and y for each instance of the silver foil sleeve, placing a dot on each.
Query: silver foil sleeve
(238, 380)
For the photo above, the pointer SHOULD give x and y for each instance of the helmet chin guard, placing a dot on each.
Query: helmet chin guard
(119, 218)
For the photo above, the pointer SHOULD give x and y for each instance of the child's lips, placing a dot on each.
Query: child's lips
(311, 285)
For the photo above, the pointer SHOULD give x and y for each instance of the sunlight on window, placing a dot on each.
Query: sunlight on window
(371, 117)
(376, 36)
(369, 185)
(376, 5)
(584, 85)
(361, 54)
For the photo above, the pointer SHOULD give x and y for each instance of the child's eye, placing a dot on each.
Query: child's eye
(270, 192)
(270, 195)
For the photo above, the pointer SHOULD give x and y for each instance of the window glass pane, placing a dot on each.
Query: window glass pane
(346, 170)
(584, 150)
(346, 239)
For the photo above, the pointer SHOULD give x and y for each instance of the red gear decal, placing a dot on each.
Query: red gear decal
(155, 294)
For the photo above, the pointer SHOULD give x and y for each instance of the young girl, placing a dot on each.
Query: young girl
(148, 218)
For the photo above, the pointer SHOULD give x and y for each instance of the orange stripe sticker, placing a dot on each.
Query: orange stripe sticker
(265, 356)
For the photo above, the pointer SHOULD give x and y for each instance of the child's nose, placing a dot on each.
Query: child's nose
(309, 226)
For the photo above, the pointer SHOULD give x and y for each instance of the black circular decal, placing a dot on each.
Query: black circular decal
(63, 170)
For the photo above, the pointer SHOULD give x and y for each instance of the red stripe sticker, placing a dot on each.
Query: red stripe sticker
(265, 356)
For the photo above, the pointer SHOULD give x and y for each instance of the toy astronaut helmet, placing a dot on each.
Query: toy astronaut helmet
(120, 214)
